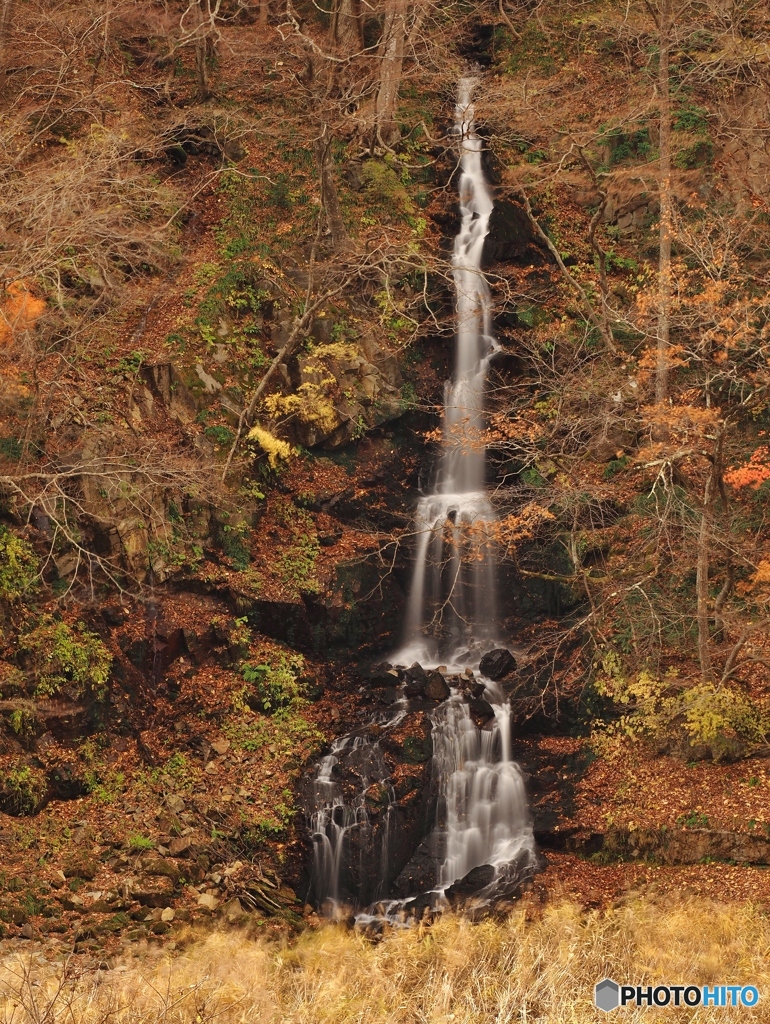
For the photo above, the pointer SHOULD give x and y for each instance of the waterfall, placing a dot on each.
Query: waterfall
(482, 819)
(452, 598)
(340, 825)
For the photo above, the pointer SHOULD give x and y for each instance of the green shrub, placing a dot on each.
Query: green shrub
(18, 566)
(627, 145)
(22, 790)
(70, 660)
(297, 566)
(699, 154)
(273, 686)
(695, 720)
(22, 721)
(691, 119)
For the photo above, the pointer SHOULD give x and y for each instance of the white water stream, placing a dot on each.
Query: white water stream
(452, 598)
(482, 814)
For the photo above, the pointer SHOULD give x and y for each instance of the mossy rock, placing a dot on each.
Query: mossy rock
(417, 749)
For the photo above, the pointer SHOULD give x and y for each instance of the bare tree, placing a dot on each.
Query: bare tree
(663, 19)
(348, 26)
(6, 26)
(391, 59)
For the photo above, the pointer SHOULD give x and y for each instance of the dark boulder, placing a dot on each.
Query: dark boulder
(436, 687)
(476, 879)
(497, 664)
(510, 233)
(415, 681)
(417, 672)
(481, 712)
(383, 676)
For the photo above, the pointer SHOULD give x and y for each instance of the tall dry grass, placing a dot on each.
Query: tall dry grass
(516, 970)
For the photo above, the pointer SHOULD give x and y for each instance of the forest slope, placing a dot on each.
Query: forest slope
(227, 319)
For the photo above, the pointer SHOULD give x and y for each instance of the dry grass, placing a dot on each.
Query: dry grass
(515, 970)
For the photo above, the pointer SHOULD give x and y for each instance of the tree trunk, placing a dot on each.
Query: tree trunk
(201, 53)
(6, 25)
(666, 207)
(348, 27)
(391, 56)
(264, 11)
(329, 198)
(701, 580)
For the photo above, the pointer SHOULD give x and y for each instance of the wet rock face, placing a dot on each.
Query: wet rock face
(510, 234)
(379, 804)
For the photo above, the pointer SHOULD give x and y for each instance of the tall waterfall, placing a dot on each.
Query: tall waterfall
(482, 819)
(452, 598)
(483, 816)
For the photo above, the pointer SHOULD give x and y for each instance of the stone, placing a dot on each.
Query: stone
(436, 687)
(384, 677)
(161, 869)
(175, 803)
(167, 384)
(81, 867)
(208, 902)
(476, 879)
(415, 680)
(497, 663)
(509, 235)
(211, 384)
(233, 911)
(220, 746)
(179, 847)
(416, 671)
(167, 914)
(481, 712)
(26, 931)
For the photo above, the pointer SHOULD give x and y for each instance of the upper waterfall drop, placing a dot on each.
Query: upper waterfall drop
(453, 594)
(481, 837)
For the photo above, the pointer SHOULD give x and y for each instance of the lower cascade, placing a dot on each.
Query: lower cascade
(466, 839)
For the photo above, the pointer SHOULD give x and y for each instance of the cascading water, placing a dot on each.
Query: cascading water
(340, 823)
(482, 809)
(452, 598)
(482, 820)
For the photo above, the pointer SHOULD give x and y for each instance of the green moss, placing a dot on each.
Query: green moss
(297, 566)
(138, 842)
(417, 750)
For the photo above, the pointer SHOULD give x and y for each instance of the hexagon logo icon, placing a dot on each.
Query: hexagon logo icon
(607, 995)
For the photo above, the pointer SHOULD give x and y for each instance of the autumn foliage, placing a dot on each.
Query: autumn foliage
(752, 473)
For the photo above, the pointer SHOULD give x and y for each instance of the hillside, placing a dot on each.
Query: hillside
(228, 313)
